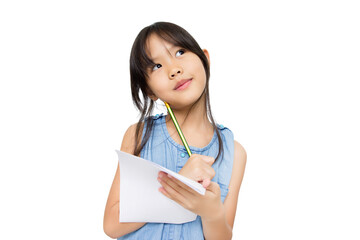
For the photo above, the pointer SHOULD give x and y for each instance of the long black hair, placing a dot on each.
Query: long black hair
(140, 62)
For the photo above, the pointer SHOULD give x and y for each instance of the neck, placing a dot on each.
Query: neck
(191, 118)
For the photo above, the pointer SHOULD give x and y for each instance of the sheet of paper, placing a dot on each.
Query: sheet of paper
(140, 200)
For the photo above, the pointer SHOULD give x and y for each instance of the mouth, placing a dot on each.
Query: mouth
(182, 84)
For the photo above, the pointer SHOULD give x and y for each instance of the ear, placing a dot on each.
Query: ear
(206, 52)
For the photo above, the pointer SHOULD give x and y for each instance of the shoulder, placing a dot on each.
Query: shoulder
(136, 131)
(239, 153)
(128, 142)
(225, 131)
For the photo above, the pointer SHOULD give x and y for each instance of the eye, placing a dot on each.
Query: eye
(180, 52)
(157, 66)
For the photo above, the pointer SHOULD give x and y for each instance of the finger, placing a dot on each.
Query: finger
(213, 187)
(210, 172)
(206, 182)
(179, 186)
(208, 160)
(171, 193)
(204, 173)
(163, 191)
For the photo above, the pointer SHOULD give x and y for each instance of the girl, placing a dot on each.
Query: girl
(167, 63)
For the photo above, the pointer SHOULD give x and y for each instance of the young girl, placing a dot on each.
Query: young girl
(167, 63)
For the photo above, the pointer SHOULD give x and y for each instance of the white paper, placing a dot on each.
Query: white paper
(140, 199)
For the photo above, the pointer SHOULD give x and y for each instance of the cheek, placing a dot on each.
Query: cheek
(157, 85)
(200, 70)
(198, 67)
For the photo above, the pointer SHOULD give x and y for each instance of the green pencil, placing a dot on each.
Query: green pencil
(178, 128)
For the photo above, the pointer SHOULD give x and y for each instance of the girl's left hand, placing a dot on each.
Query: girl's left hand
(208, 206)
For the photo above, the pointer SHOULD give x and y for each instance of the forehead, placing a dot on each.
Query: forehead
(156, 46)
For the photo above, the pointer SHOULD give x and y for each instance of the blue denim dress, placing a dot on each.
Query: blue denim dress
(163, 150)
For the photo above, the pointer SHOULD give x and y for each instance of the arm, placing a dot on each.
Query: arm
(222, 224)
(112, 227)
(217, 218)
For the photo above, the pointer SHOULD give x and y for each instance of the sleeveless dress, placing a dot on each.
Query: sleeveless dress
(163, 150)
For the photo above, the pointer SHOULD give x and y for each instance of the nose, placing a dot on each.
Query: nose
(175, 71)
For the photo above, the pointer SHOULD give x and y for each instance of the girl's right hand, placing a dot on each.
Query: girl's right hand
(198, 168)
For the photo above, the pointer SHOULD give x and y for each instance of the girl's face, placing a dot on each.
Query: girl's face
(178, 76)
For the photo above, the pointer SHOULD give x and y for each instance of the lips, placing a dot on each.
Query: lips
(182, 83)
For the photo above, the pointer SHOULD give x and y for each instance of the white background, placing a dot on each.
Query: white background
(284, 79)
